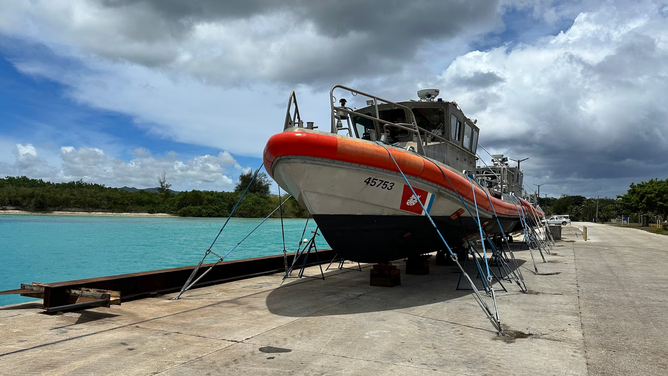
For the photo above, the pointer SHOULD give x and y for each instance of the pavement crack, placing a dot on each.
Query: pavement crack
(190, 360)
(128, 325)
(582, 329)
(187, 334)
(450, 322)
(417, 367)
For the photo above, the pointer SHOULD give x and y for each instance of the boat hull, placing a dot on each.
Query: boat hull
(364, 206)
(374, 224)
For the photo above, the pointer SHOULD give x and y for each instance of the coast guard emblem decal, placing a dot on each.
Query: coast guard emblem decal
(410, 203)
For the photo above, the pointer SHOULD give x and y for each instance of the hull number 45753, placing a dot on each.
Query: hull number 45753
(382, 184)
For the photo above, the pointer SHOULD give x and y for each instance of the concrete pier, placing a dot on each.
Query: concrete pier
(596, 307)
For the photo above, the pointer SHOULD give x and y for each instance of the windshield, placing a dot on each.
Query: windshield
(396, 115)
(362, 126)
(431, 119)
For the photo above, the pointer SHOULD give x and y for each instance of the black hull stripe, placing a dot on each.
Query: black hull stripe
(379, 238)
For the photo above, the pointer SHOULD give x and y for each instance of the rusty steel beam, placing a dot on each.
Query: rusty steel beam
(16, 291)
(57, 295)
(78, 306)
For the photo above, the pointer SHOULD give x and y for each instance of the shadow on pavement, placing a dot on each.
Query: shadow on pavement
(348, 292)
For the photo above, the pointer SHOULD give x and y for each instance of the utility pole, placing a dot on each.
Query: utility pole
(597, 208)
(538, 185)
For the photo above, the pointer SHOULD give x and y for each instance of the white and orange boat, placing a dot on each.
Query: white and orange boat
(353, 178)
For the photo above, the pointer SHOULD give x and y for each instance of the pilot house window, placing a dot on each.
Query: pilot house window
(467, 136)
(455, 128)
(474, 143)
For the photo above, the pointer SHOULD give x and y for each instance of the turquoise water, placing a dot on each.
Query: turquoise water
(46, 248)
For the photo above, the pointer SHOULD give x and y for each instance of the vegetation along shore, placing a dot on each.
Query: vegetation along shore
(83, 213)
(20, 195)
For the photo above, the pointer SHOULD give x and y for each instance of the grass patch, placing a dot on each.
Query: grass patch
(655, 230)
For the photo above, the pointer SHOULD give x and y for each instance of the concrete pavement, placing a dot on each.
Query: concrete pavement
(623, 290)
(595, 308)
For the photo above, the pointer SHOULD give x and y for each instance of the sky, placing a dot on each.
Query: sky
(116, 92)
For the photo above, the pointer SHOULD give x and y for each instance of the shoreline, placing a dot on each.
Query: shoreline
(87, 214)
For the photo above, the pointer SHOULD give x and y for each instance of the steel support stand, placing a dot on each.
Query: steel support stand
(491, 313)
(306, 251)
(341, 262)
(477, 258)
(514, 274)
(538, 227)
(526, 233)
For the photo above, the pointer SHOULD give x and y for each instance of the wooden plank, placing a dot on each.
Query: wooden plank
(33, 287)
(113, 297)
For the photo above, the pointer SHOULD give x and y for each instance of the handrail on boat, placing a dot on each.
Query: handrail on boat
(412, 126)
(386, 123)
(344, 113)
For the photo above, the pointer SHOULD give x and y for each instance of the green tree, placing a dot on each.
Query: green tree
(164, 186)
(260, 185)
(646, 197)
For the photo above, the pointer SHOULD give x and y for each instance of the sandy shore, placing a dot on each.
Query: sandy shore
(91, 214)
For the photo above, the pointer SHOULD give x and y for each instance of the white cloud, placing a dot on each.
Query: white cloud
(208, 172)
(244, 170)
(183, 109)
(228, 42)
(215, 79)
(26, 151)
(28, 161)
(213, 73)
(584, 104)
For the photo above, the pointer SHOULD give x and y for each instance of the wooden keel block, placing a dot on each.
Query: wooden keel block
(386, 275)
(385, 266)
(418, 265)
(442, 258)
